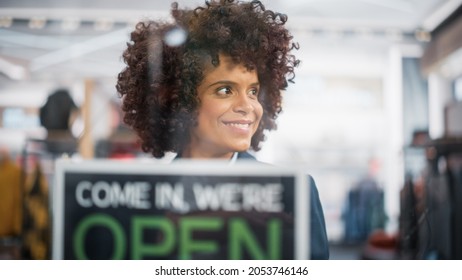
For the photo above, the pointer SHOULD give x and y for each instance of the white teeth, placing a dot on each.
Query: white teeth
(239, 125)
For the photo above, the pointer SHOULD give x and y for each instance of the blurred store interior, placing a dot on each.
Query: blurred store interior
(378, 97)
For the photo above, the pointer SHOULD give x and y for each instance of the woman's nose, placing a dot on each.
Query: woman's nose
(243, 104)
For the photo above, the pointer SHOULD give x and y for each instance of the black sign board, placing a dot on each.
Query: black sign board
(185, 210)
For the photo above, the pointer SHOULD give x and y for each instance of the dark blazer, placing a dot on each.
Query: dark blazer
(319, 245)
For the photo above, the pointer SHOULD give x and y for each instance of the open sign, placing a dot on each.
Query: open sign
(187, 210)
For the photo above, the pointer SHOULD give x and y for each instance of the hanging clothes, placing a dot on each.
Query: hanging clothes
(364, 211)
(10, 198)
(36, 225)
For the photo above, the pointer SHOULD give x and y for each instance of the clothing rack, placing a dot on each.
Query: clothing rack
(37, 170)
(431, 212)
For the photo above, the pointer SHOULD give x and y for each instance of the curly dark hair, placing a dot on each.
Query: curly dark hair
(159, 85)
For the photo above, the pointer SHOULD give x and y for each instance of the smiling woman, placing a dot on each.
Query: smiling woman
(234, 53)
(208, 85)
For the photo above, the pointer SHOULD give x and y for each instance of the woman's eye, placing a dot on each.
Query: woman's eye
(224, 91)
(254, 92)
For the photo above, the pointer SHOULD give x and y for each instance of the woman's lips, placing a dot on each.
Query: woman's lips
(243, 125)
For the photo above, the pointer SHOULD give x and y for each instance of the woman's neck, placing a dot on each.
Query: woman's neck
(198, 154)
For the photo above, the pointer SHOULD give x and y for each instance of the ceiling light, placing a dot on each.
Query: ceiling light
(70, 24)
(335, 32)
(365, 32)
(422, 35)
(6, 21)
(394, 35)
(37, 22)
(103, 24)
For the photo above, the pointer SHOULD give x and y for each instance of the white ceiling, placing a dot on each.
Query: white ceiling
(94, 49)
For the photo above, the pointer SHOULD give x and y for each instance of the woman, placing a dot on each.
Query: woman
(208, 85)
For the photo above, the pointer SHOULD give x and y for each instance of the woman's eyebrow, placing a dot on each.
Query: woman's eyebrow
(222, 82)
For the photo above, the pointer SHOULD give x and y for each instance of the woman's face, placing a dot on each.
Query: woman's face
(229, 113)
